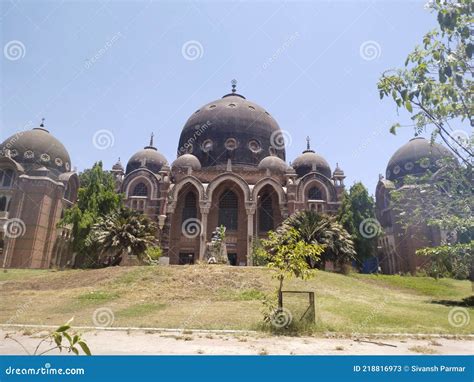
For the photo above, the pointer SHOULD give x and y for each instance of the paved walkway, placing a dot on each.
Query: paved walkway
(151, 342)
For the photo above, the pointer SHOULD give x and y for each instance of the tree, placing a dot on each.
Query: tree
(96, 198)
(124, 232)
(443, 200)
(314, 228)
(288, 255)
(436, 85)
(455, 261)
(356, 208)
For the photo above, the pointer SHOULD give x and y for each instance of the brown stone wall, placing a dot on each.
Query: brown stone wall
(37, 203)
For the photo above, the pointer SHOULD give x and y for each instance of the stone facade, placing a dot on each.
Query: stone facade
(397, 245)
(230, 170)
(33, 196)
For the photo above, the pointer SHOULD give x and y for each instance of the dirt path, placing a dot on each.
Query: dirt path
(137, 342)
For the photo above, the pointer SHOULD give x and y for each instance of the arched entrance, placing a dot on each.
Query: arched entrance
(185, 238)
(268, 214)
(228, 209)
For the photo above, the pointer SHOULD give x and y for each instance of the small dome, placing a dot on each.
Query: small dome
(415, 157)
(186, 161)
(338, 171)
(117, 166)
(149, 158)
(309, 161)
(273, 163)
(37, 148)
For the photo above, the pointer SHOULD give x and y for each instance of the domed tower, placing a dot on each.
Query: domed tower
(317, 189)
(309, 161)
(37, 150)
(231, 128)
(416, 157)
(149, 157)
(231, 171)
(397, 244)
(36, 186)
(118, 173)
(146, 181)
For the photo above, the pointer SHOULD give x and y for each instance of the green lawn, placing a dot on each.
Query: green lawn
(223, 297)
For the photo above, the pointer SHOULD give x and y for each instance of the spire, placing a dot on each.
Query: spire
(41, 126)
(234, 90)
(150, 146)
(308, 146)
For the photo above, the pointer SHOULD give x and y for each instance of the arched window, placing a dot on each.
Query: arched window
(228, 210)
(315, 193)
(140, 190)
(6, 178)
(3, 203)
(68, 192)
(265, 213)
(189, 208)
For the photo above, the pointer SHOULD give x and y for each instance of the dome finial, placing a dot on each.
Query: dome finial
(42, 122)
(150, 146)
(308, 146)
(234, 85)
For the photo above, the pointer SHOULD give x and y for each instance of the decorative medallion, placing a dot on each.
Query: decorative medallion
(231, 144)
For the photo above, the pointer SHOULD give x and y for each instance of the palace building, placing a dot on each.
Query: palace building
(397, 244)
(230, 170)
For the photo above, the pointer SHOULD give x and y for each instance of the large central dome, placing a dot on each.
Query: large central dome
(231, 128)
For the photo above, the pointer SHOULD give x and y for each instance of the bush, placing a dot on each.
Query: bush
(152, 255)
(450, 260)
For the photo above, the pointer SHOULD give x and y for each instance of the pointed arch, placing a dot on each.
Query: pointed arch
(240, 182)
(273, 183)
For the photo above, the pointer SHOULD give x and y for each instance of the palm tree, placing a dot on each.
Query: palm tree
(124, 232)
(315, 228)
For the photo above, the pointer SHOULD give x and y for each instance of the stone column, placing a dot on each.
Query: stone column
(203, 235)
(250, 224)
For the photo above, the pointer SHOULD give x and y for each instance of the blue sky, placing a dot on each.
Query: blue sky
(123, 66)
